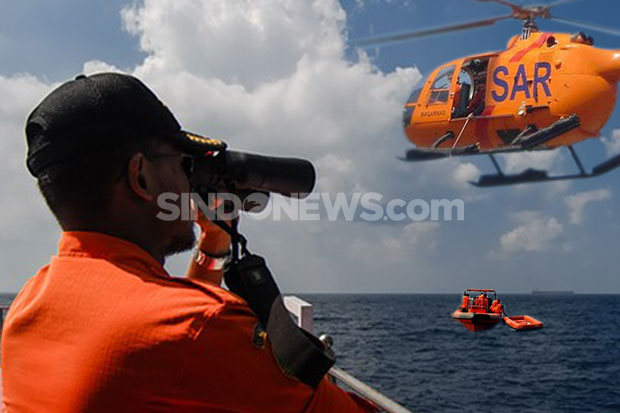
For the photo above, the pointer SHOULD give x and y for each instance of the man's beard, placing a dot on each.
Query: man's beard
(181, 242)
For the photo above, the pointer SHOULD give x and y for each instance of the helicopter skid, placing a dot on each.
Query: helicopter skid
(524, 142)
(537, 175)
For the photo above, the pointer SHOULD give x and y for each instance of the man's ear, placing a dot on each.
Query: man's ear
(139, 178)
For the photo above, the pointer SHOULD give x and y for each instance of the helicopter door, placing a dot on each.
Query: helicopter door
(438, 95)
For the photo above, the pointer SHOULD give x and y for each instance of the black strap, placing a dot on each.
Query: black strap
(298, 353)
(237, 239)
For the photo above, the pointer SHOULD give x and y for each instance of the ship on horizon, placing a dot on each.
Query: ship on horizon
(552, 292)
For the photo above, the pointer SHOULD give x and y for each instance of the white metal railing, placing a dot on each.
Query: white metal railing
(304, 314)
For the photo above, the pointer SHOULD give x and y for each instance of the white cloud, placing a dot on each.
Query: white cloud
(271, 76)
(343, 115)
(612, 145)
(401, 3)
(534, 232)
(576, 203)
(268, 76)
(95, 66)
(544, 160)
(465, 173)
(245, 42)
(339, 173)
(394, 246)
(27, 230)
(18, 197)
(297, 96)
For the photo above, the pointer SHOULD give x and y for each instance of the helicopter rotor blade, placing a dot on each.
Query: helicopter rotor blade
(595, 27)
(504, 2)
(398, 37)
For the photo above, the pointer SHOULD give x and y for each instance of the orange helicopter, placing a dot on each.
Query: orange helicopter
(546, 90)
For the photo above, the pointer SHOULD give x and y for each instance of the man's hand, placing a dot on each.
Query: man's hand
(212, 241)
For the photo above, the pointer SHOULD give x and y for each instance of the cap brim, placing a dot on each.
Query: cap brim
(198, 144)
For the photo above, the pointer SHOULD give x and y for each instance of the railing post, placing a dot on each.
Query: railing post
(303, 311)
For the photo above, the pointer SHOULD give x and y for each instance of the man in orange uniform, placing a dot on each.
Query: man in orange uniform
(465, 302)
(485, 301)
(497, 307)
(103, 327)
(478, 300)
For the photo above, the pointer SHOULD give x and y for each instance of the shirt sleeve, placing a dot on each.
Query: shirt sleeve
(230, 367)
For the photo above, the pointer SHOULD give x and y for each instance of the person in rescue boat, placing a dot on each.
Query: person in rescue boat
(103, 327)
(465, 302)
(478, 300)
(482, 301)
(497, 307)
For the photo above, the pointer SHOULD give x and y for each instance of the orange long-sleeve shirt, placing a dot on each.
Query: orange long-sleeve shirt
(104, 328)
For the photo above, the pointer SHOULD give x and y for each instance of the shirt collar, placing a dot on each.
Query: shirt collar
(117, 250)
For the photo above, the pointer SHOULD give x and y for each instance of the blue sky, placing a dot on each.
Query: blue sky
(513, 239)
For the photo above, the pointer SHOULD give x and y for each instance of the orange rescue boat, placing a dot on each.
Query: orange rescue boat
(523, 322)
(475, 313)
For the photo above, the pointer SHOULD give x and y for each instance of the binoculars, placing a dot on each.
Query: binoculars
(243, 173)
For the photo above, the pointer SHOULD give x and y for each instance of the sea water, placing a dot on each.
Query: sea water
(409, 348)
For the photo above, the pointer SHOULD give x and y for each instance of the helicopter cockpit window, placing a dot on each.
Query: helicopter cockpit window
(415, 95)
(441, 86)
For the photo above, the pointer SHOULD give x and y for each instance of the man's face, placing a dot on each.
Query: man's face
(172, 178)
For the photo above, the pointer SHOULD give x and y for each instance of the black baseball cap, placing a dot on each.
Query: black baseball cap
(85, 115)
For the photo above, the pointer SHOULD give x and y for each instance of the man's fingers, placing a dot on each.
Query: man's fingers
(216, 204)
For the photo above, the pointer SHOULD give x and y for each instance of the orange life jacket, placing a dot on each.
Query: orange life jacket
(478, 300)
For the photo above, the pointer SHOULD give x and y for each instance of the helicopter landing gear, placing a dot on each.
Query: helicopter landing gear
(537, 175)
(528, 140)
